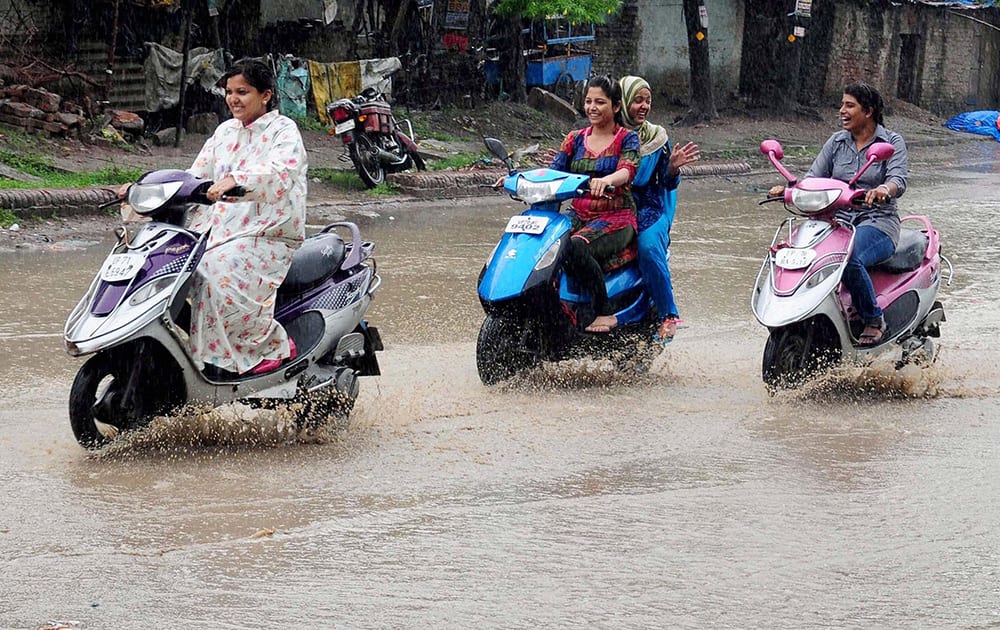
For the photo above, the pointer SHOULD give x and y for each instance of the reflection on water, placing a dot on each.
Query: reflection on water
(574, 495)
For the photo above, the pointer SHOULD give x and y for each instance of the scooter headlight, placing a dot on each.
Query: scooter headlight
(549, 256)
(536, 192)
(819, 276)
(812, 201)
(147, 198)
(151, 289)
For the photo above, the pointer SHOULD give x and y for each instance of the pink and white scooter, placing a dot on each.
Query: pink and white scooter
(798, 293)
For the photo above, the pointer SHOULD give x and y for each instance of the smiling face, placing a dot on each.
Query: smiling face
(639, 108)
(854, 117)
(246, 102)
(600, 111)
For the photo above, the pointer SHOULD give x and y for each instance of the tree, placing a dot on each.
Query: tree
(514, 11)
(702, 105)
(779, 70)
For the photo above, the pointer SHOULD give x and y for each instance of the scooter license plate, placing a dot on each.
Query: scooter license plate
(794, 258)
(524, 224)
(120, 267)
(344, 127)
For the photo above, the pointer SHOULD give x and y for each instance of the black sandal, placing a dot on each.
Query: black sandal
(872, 334)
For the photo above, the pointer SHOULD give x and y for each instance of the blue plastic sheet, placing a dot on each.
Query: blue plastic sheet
(293, 86)
(983, 123)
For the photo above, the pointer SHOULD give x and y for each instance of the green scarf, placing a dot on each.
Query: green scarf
(651, 137)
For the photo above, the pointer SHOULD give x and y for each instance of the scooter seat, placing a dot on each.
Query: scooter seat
(317, 259)
(909, 252)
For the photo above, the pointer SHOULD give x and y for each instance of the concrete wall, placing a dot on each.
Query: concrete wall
(663, 50)
(957, 63)
(278, 10)
(649, 38)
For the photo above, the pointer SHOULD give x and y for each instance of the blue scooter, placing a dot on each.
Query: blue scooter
(536, 312)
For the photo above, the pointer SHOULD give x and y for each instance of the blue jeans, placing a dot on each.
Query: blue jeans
(871, 246)
(654, 259)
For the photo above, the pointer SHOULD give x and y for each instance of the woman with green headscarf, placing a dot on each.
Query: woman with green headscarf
(655, 192)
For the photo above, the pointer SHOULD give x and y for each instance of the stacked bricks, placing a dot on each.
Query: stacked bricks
(37, 111)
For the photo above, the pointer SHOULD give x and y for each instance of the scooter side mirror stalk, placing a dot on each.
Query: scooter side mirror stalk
(772, 149)
(878, 152)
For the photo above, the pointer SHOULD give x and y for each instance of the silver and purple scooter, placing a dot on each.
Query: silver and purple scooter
(134, 321)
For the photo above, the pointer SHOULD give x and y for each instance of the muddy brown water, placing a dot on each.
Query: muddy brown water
(574, 497)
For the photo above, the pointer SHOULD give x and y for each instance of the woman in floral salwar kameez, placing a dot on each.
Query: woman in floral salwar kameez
(250, 243)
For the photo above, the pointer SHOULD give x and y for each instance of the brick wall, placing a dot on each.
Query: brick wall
(956, 64)
(616, 49)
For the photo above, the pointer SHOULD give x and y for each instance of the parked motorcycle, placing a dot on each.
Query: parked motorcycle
(134, 320)
(534, 310)
(373, 138)
(798, 294)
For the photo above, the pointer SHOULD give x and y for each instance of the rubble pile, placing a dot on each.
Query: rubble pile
(38, 111)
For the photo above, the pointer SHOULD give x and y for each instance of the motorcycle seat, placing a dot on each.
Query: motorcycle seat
(318, 258)
(909, 252)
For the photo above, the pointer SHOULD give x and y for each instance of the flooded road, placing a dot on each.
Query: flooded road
(576, 497)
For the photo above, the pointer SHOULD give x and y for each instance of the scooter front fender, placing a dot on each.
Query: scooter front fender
(513, 269)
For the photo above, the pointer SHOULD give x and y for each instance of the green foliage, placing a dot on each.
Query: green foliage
(308, 123)
(452, 162)
(422, 129)
(347, 180)
(385, 189)
(28, 163)
(574, 11)
(107, 176)
(7, 218)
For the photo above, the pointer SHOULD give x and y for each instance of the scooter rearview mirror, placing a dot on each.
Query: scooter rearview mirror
(772, 149)
(767, 146)
(878, 152)
(496, 147)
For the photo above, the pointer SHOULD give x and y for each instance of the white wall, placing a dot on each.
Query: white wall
(663, 52)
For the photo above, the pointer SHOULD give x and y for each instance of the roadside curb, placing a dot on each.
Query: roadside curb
(37, 203)
(32, 203)
(430, 184)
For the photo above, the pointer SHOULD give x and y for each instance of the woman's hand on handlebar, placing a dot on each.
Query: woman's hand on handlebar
(123, 190)
(601, 187)
(878, 195)
(217, 190)
(776, 191)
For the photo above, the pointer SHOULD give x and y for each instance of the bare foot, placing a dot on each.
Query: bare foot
(602, 324)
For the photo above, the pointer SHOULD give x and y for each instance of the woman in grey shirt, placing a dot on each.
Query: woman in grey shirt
(876, 224)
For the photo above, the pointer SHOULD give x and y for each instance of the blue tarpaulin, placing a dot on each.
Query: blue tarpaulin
(983, 122)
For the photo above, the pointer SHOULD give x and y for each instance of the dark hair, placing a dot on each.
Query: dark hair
(613, 90)
(869, 98)
(256, 73)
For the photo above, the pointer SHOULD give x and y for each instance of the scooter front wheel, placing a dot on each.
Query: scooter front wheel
(795, 353)
(94, 398)
(498, 350)
(98, 408)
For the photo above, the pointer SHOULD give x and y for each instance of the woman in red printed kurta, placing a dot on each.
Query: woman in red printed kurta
(603, 224)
